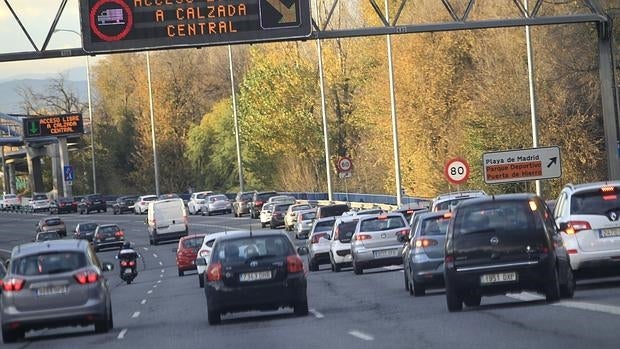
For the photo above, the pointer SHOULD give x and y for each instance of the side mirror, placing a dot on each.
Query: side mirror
(108, 267)
(563, 226)
(302, 251)
(201, 261)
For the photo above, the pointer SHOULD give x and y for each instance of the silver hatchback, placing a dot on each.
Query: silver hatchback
(54, 284)
(375, 242)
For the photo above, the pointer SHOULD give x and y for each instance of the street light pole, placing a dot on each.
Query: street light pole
(234, 106)
(148, 73)
(532, 88)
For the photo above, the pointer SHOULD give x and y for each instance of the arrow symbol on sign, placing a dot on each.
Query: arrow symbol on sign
(33, 127)
(553, 161)
(289, 13)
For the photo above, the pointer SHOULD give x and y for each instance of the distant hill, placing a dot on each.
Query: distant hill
(10, 99)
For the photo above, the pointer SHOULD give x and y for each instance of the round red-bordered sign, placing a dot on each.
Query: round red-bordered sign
(456, 171)
(128, 23)
(345, 164)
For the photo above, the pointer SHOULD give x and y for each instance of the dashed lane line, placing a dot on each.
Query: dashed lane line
(159, 281)
(600, 308)
(122, 334)
(145, 248)
(135, 314)
(155, 255)
(149, 291)
(163, 270)
(361, 335)
(316, 314)
(143, 302)
(161, 263)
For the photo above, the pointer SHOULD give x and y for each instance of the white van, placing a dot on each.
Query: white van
(166, 220)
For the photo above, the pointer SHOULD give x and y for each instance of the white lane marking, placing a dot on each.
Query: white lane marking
(361, 335)
(316, 314)
(159, 281)
(135, 315)
(122, 334)
(393, 267)
(154, 286)
(145, 248)
(161, 275)
(143, 302)
(525, 296)
(149, 291)
(155, 255)
(163, 270)
(161, 263)
(600, 308)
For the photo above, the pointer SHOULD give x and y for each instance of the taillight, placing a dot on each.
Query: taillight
(258, 203)
(123, 263)
(214, 272)
(404, 232)
(448, 261)
(132, 263)
(361, 237)
(86, 277)
(205, 253)
(294, 264)
(425, 243)
(119, 234)
(576, 226)
(572, 251)
(336, 233)
(13, 285)
(185, 220)
(317, 237)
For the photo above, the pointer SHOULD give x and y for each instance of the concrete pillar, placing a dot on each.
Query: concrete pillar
(35, 175)
(5, 173)
(64, 161)
(57, 179)
(12, 178)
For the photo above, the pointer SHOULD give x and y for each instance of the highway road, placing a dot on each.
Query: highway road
(162, 310)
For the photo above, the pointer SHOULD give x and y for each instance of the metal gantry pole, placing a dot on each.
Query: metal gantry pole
(319, 50)
(155, 165)
(393, 112)
(532, 87)
(234, 109)
(92, 125)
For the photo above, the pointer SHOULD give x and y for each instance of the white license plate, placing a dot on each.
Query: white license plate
(609, 233)
(386, 253)
(50, 291)
(487, 279)
(255, 276)
(127, 271)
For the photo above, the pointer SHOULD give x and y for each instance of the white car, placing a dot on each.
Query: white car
(303, 223)
(449, 200)
(9, 200)
(141, 206)
(282, 199)
(589, 219)
(216, 204)
(167, 219)
(196, 201)
(39, 202)
(291, 215)
(265, 214)
(340, 242)
(318, 243)
(204, 254)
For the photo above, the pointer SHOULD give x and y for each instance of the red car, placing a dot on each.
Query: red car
(187, 251)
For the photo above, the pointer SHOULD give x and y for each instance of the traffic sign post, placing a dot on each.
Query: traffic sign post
(522, 165)
(118, 25)
(456, 171)
(344, 164)
(69, 174)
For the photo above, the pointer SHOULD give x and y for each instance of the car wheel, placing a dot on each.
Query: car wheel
(552, 292)
(301, 308)
(262, 224)
(337, 268)
(181, 272)
(418, 289)
(103, 326)
(128, 281)
(313, 266)
(568, 290)
(81, 212)
(12, 336)
(406, 280)
(201, 280)
(357, 269)
(271, 226)
(472, 300)
(453, 300)
(214, 317)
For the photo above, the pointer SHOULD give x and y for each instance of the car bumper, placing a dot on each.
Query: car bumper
(428, 271)
(277, 221)
(368, 257)
(342, 256)
(108, 244)
(594, 260)
(260, 297)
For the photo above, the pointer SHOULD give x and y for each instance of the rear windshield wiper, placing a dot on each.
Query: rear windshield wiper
(477, 231)
(266, 256)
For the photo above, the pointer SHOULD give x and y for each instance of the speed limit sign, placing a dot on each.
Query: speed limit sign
(344, 164)
(456, 171)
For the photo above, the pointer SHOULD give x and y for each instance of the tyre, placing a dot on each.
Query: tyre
(313, 266)
(301, 307)
(568, 290)
(214, 317)
(12, 336)
(201, 280)
(262, 224)
(337, 268)
(128, 281)
(418, 289)
(472, 300)
(181, 272)
(103, 326)
(406, 280)
(271, 226)
(552, 292)
(357, 269)
(114, 212)
(453, 300)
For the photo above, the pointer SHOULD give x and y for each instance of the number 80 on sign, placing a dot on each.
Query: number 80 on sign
(456, 171)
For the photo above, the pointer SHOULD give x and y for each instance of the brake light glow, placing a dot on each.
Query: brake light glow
(214, 272)
(119, 234)
(608, 189)
(362, 237)
(294, 264)
(404, 232)
(447, 215)
(382, 217)
(123, 263)
(533, 205)
(13, 285)
(576, 226)
(132, 263)
(205, 253)
(425, 243)
(609, 193)
(317, 237)
(572, 251)
(86, 277)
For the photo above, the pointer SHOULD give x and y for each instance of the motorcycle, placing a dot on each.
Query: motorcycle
(128, 270)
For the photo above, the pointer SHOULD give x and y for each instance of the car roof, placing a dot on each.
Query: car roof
(497, 198)
(52, 245)
(431, 214)
(218, 234)
(233, 235)
(108, 225)
(50, 218)
(589, 186)
(459, 194)
(193, 236)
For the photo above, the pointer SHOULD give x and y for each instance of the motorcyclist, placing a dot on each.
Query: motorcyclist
(127, 254)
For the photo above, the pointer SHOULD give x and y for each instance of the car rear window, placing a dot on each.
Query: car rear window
(109, 229)
(346, 231)
(149, 198)
(241, 250)
(48, 235)
(504, 216)
(10, 196)
(333, 210)
(88, 226)
(281, 208)
(324, 226)
(381, 223)
(218, 198)
(434, 226)
(450, 204)
(48, 263)
(39, 197)
(308, 216)
(193, 242)
(595, 202)
(245, 197)
(55, 221)
(265, 196)
(301, 207)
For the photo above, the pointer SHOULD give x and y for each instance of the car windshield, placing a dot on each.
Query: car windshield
(55, 221)
(434, 226)
(193, 242)
(595, 202)
(39, 197)
(496, 216)
(49, 235)
(280, 208)
(382, 223)
(346, 230)
(308, 216)
(218, 198)
(450, 204)
(246, 196)
(149, 198)
(246, 249)
(109, 229)
(48, 263)
(88, 226)
(324, 225)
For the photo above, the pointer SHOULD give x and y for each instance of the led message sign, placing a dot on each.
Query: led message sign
(53, 126)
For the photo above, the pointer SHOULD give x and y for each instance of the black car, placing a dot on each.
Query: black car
(258, 200)
(255, 271)
(277, 216)
(91, 203)
(63, 205)
(124, 204)
(108, 235)
(85, 231)
(501, 244)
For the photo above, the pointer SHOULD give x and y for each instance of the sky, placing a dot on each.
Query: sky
(37, 17)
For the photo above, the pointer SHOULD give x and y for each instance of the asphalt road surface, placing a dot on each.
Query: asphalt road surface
(162, 310)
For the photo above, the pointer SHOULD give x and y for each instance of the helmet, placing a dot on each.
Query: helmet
(126, 245)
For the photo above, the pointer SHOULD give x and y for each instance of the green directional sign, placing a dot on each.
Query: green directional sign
(53, 126)
(33, 128)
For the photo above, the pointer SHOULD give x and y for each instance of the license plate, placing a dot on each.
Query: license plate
(50, 291)
(255, 276)
(128, 271)
(609, 233)
(110, 238)
(487, 279)
(386, 253)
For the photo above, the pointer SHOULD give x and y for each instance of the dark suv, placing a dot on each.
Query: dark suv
(501, 244)
(124, 204)
(258, 200)
(92, 203)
